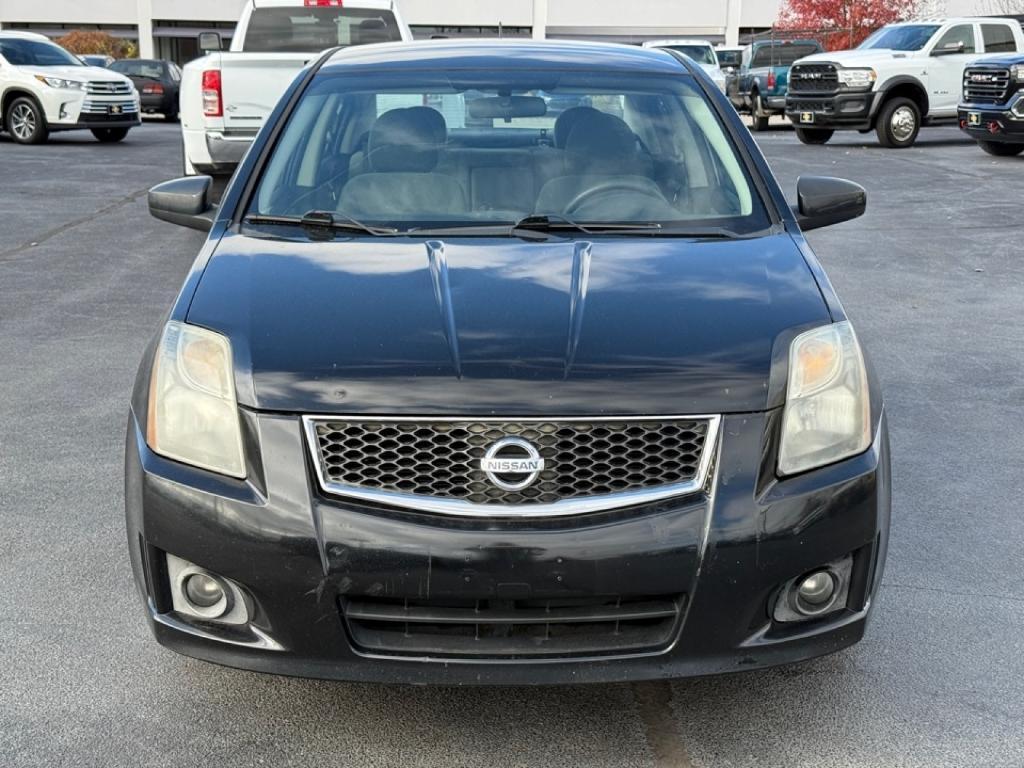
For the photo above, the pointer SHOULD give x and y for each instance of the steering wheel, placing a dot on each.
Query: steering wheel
(609, 187)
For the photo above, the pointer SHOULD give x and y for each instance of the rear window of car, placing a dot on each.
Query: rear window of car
(418, 148)
(703, 54)
(781, 54)
(998, 38)
(309, 30)
(153, 69)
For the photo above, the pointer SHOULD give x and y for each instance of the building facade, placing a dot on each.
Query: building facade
(168, 28)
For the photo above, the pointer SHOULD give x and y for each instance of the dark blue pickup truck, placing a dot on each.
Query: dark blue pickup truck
(991, 110)
(760, 84)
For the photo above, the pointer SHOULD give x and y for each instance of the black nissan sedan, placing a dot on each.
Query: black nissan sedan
(461, 391)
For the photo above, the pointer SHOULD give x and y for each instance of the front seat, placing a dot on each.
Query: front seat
(602, 152)
(400, 181)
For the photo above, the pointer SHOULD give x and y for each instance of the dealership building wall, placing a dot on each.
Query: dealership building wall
(168, 28)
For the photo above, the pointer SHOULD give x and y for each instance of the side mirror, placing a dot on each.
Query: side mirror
(823, 201)
(184, 201)
(209, 42)
(950, 48)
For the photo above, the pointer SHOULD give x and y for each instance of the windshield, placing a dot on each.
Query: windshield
(139, 68)
(781, 54)
(904, 37)
(36, 53)
(419, 149)
(309, 30)
(703, 54)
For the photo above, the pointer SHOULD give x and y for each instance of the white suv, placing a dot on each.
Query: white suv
(43, 88)
(701, 51)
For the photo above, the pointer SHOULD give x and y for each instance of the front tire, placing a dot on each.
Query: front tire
(759, 118)
(26, 122)
(1000, 149)
(899, 122)
(814, 135)
(109, 135)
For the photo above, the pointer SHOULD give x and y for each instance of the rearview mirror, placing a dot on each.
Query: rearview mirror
(209, 42)
(184, 201)
(950, 48)
(824, 200)
(506, 107)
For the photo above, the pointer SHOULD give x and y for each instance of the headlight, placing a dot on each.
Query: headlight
(60, 82)
(1017, 73)
(856, 78)
(193, 414)
(827, 415)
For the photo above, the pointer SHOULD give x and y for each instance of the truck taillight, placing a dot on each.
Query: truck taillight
(771, 78)
(213, 102)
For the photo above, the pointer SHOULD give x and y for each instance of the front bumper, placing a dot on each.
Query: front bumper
(68, 110)
(993, 122)
(843, 110)
(299, 555)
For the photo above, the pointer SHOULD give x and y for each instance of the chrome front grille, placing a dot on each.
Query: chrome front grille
(435, 465)
(986, 86)
(90, 107)
(813, 78)
(107, 88)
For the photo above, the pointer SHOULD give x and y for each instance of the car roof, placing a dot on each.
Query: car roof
(677, 41)
(505, 54)
(16, 35)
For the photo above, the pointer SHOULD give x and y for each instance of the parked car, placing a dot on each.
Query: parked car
(96, 59)
(759, 88)
(440, 406)
(991, 110)
(225, 97)
(43, 89)
(700, 51)
(158, 81)
(902, 77)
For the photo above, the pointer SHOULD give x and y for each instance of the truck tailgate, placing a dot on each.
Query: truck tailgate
(252, 83)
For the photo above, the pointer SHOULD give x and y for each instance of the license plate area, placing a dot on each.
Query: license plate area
(974, 118)
(115, 109)
(806, 118)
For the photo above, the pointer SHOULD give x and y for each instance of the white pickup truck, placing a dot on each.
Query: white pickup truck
(226, 96)
(902, 77)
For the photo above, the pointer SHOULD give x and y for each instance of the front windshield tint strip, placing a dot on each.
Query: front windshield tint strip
(455, 148)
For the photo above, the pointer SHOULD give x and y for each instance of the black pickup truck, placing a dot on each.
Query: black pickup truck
(991, 110)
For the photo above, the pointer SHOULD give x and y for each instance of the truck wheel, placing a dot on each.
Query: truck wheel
(26, 122)
(899, 122)
(758, 116)
(814, 135)
(999, 149)
(109, 135)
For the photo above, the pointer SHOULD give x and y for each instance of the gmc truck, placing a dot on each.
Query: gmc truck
(902, 77)
(225, 97)
(992, 109)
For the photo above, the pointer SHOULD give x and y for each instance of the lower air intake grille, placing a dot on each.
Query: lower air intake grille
(442, 459)
(512, 628)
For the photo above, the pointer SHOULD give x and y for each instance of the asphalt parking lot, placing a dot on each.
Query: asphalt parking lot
(933, 277)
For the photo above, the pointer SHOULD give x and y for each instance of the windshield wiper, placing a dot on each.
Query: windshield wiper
(322, 225)
(544, 223)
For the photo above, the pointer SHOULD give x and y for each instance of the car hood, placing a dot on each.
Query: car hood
(471, 326)
(856, 57)
(999, 60)
(84, 73)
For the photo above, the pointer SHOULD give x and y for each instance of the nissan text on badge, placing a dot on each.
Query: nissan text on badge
(506, 362)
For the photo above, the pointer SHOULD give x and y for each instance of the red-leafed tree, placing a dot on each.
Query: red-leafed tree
(842, 24)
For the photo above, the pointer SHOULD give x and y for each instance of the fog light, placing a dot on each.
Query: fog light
(823, 590)
(201, 594)
(203, 591)
(815, 592)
